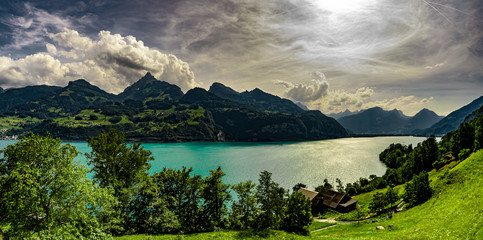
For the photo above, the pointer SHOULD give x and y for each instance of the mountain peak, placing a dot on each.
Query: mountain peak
(146, 79)
(79, 82)
(148, 86)
(221, 90)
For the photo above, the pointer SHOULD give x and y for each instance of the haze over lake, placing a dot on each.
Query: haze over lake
(290, 162)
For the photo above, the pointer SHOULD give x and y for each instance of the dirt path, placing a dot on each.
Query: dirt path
(320, 229)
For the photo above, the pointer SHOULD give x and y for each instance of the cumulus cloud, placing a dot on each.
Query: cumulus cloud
(111, 62)
(317, 94)
(315, 89)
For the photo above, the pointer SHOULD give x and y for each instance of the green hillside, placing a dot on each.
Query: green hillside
(454, 212)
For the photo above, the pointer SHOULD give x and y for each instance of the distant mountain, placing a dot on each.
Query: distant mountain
(453, 120)
(303, 107)
(241, 123)
(342, 114)
(378, 121)
(1, 90)
(375, 121)
(13, 97)
(256, 99)
(423, 119)
(152, 110)
(77, 95)
(149, 87)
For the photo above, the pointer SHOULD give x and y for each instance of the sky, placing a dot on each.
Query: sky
(330, 55)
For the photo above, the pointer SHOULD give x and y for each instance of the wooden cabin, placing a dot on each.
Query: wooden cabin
(328, 198)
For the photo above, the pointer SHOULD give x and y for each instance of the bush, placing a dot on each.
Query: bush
(93, 117)
(78, 118)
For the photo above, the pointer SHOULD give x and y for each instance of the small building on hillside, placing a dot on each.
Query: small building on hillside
(328, 198)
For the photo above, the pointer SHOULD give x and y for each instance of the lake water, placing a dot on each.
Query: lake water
(290, 162)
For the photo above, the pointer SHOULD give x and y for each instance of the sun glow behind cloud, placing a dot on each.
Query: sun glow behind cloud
(343, 6)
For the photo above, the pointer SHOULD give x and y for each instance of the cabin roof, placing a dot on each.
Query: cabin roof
(308, 193)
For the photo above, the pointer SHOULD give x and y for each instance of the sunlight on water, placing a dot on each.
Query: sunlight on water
(290, 162)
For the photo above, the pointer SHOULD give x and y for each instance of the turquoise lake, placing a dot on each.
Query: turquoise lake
(290, 162)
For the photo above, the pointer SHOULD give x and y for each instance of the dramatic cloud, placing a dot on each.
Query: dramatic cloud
(33, 26)
(398, 48)
(317, 95)
(316, 89)
(111, 62)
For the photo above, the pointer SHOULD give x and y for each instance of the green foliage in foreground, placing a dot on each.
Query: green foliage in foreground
(453, 212)
(46, 194)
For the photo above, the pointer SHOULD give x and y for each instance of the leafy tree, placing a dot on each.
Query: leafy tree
(244, 210)
(395, 155)
(118, 165)
(325, 186)
(181, 194)
(299, 214)
(298, 186)
(271, 198)
(378, 203)
(340, 185)
(391, 196)
(46, 194)
(215, 195)
(417, 190)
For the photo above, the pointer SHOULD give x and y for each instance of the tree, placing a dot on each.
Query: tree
(46, 194)
(378, 203)
(244, 210)
(390, 196)
(181, 194)
(417, 190)
(299, 214)
(118, 165)
(271, 199)
(298, 186)
(215, 195)
(115, 163)
(325, 186)
(340, 185)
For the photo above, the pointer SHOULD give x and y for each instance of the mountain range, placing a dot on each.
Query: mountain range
(376, 121)
(153, 110)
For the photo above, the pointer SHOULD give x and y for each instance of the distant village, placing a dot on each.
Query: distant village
(3, 137)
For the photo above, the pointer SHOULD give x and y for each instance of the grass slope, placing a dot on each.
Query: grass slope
(454, 212)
